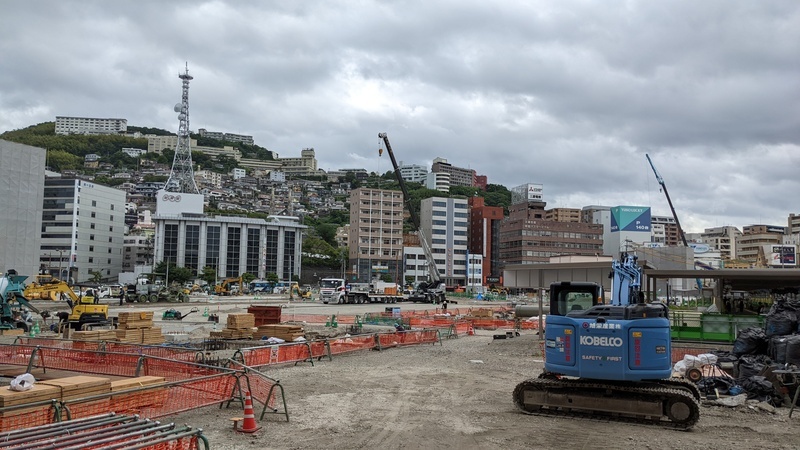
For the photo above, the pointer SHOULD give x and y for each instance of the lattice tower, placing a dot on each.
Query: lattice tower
(181, 178)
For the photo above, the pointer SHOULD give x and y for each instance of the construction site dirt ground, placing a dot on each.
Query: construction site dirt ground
(458, 396)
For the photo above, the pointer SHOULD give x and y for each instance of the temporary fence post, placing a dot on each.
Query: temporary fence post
(34, 353)
(328, 349)
(140, 364)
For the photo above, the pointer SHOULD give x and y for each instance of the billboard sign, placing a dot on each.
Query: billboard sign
(177, 203)
(700, 248)
(526, 193)
(630, 218)
(783, 255)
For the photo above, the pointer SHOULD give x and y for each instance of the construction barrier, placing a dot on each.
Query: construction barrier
(264, 389)
(187, 385)
(164, 351)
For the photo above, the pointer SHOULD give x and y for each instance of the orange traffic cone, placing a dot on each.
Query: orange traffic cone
(249, 423)
(471, 331)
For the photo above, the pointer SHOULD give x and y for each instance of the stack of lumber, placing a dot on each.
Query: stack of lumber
(483, 313)
(241, 321)
(152, 336)
(12, 332)
(135, 397)
(287, 332)
(137, 328)
(135, 320)
(38, 393)
(94, 335)
(239, 326)
(72, 388)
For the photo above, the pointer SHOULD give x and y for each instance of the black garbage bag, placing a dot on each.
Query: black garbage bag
(792, 350)
(777, 348)
(749, 365)
(780, 323)
(761, 389)
(750, 341)
(724, 356)
(721, 384)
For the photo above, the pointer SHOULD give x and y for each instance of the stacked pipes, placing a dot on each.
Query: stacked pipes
(105, 431)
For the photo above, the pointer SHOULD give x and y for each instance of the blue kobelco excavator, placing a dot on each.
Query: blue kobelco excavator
(610, 361)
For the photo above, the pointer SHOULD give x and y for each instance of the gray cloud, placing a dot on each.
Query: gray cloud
(568, 94)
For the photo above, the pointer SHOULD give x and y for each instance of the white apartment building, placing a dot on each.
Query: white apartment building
(439, 181)
(238, 173)
(445, 221)
(413, 172)
(88, 125)
(83, 227)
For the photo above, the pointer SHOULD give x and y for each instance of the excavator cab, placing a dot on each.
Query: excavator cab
(87, 311)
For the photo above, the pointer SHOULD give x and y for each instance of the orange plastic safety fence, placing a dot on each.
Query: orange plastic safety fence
(351, 344)
(15, 419)
(175, 370)
(87, 361)
(176, 398)
(261, 389)
(412, 337)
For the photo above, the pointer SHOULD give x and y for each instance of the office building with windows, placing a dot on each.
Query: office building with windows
(83, 230)
(232, 245)
(445, 222)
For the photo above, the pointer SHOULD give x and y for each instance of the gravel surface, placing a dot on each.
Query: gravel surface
(458, 395)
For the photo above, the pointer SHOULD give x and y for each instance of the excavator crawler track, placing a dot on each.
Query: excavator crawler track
(667, 404)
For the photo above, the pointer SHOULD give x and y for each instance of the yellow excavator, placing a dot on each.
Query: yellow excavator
(85, 309)
(228, 286)
(46, 287)
(303, 293)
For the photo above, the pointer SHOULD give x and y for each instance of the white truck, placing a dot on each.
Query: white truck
(337, 290)
(333, 290)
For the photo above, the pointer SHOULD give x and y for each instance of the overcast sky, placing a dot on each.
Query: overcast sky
(569, 94)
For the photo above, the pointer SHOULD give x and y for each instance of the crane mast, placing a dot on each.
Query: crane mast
(666, 192)
(433, 271)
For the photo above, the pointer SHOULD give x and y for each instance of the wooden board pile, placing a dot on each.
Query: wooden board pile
(94, 335)
(137, 328)
(72, 388)
(239, 326)
(132, 398)
(287, 332)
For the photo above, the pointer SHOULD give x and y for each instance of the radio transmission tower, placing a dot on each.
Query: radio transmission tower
(181, 178)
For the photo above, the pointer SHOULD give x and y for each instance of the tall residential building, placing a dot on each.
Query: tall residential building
(375, 244)
(458, 175)
(22, 190)
(753, 237)
(723, 239)
(445, 221)
(83, 226)
(88, 125)
(484, 228)
(526, 237)
(665, 231)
